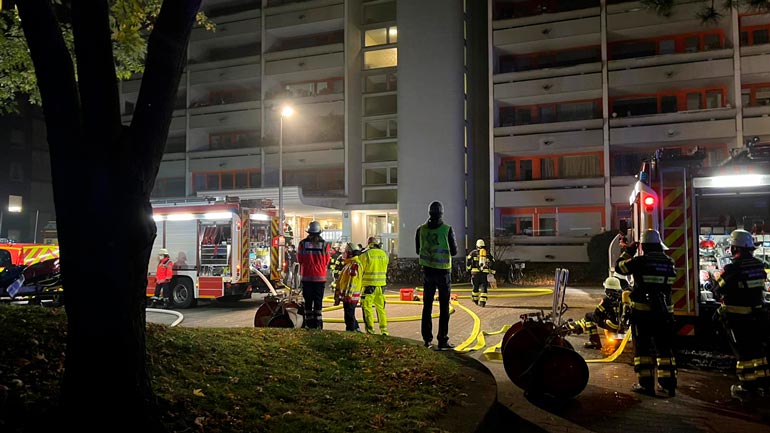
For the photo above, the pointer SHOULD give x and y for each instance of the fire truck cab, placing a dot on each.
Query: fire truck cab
(220, 250)
(695, 209)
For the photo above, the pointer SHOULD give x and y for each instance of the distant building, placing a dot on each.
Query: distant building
(26, 173)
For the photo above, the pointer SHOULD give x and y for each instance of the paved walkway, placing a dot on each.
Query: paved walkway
(702, 404)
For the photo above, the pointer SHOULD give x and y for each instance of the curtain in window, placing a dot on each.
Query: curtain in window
(580, 166)
(547, 170)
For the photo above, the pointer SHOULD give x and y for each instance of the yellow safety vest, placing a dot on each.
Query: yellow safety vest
(375, 267)
(434, 247)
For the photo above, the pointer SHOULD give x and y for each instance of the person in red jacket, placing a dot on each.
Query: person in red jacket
(313, 255)
(163, 276)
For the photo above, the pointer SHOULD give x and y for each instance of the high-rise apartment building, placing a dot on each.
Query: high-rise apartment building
(527, 118)
(583, 90)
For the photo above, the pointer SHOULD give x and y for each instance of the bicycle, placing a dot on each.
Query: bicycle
(515, 272)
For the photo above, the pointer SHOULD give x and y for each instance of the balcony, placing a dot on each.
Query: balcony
(231, 10)
(241, 29)
(654, 79)
(756, 120)
(586, 137)
(224, 74)
(328, 17)
(541, 10)
(575, 33)
(550, 90)
(665, 131)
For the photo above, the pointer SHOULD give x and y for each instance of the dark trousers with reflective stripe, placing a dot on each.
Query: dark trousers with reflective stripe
(436, 279)
(480, 285)
(313, 292)
(746, 334)
(653, 343)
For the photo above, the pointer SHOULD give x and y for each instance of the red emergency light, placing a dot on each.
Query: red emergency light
(649, 203)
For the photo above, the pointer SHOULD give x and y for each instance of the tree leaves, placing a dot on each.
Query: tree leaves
(130, 22)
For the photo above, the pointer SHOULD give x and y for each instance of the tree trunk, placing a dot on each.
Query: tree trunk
(103, 174)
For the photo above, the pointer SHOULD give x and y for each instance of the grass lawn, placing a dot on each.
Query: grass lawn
(246, 379)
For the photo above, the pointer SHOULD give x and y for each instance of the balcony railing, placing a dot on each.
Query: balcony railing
(307, 41)
(504, 10)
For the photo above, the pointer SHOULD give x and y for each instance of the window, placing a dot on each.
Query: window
(377, 105)
(579, 166)
(547, 113)
(379, 152)
(234, 140)
(385, 128)
(713, 99)
(763, 96)
(379, 12)
(547, 169)
(760, 36)
(383, 36)
(627, 164)
(317, 181)
(635, 106)
(669, 102)
(547, 225)
(712, 41)
(669, 44)
(517, 224)
(169, 187)
(16, 172)
(746, 97)
(225, 180)
(755, 35)
(576, 111)
(693, 101)
(389, 195)
(666, 46)
(526, 169)
(509, 173)
(380, 176)
(384, 58)
(381, 82)
(549, 59)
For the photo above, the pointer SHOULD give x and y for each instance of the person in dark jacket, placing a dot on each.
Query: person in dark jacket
(480, 263)
(652, 313)
(435, 245)
(606, 315)
(744, 317)
(313, 258)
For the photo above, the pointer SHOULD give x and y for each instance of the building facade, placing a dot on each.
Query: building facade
(584, 90)
(527, 119)
(26, 193)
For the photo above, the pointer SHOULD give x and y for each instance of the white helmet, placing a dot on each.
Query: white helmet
(163, 252)
(612, 283)
(480, 243)
(742, 239)
(351, 247)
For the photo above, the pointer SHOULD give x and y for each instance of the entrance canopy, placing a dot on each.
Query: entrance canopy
(294, 203)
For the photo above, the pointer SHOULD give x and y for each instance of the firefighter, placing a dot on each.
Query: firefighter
(652, 317)
(374, 263)
(349, 286)
(163, 279)
(336, 263)
(480, 263)
(313, 257)
(606, 315)
(742, 314)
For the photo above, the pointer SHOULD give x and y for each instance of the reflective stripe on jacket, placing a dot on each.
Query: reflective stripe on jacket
(434, 247)
(313, 257)
(350, 281)
(164, 272)
(374, 265)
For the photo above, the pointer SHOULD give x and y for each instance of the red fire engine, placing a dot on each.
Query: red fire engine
(220, 249)
(695, 208)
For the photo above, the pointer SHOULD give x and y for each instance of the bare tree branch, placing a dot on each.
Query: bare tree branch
(97, 82)
(166, 55)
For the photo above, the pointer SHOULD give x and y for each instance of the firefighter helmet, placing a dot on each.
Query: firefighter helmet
(352, 248)
(651, 236)
(436, 209)
(314, 228)
(741, 239)
(480, 243)
(163, 252)
(612, 283)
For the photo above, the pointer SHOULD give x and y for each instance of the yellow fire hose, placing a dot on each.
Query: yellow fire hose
(491, 353)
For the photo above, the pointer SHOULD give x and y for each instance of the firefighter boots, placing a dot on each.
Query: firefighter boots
(594, 342)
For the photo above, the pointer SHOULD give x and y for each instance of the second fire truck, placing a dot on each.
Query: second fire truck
(220, 249)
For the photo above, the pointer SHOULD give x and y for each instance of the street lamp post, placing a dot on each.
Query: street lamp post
(286, 111)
